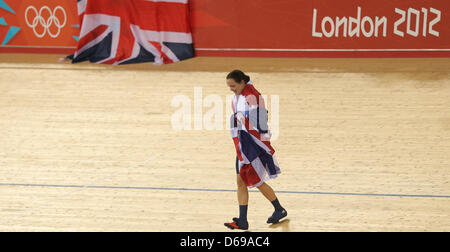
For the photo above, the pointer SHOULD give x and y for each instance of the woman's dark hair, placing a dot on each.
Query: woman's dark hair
(238, 76)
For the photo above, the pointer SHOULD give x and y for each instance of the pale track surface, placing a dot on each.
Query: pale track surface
(353, 132)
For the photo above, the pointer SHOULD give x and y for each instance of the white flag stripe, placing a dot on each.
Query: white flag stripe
(173, 37)
(82, 6)
(176, 37)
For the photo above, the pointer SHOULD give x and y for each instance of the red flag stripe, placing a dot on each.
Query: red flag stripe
(155, 16)
(249, 175)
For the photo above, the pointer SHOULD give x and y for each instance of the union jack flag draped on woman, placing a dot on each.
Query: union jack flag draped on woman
(134, 31)
(249, 130)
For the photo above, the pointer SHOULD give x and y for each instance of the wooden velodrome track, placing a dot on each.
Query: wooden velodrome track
(364, 145)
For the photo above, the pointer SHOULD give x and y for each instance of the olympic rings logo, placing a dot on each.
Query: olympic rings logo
(39, 20)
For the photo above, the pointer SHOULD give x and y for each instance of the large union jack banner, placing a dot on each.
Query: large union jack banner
(134, 31)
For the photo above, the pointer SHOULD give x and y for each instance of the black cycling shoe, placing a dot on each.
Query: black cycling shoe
(277, 216)
(236, 224)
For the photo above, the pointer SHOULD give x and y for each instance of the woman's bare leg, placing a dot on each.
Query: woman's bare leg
(242, 195)
(242, 191)
(280, 212)
(268, 192)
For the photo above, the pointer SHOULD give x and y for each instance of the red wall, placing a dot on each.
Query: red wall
(32, 37)
(288, 28)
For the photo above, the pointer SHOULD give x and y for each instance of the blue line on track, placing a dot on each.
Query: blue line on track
(222, 190)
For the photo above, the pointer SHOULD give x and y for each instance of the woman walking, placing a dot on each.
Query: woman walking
(255, 162)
